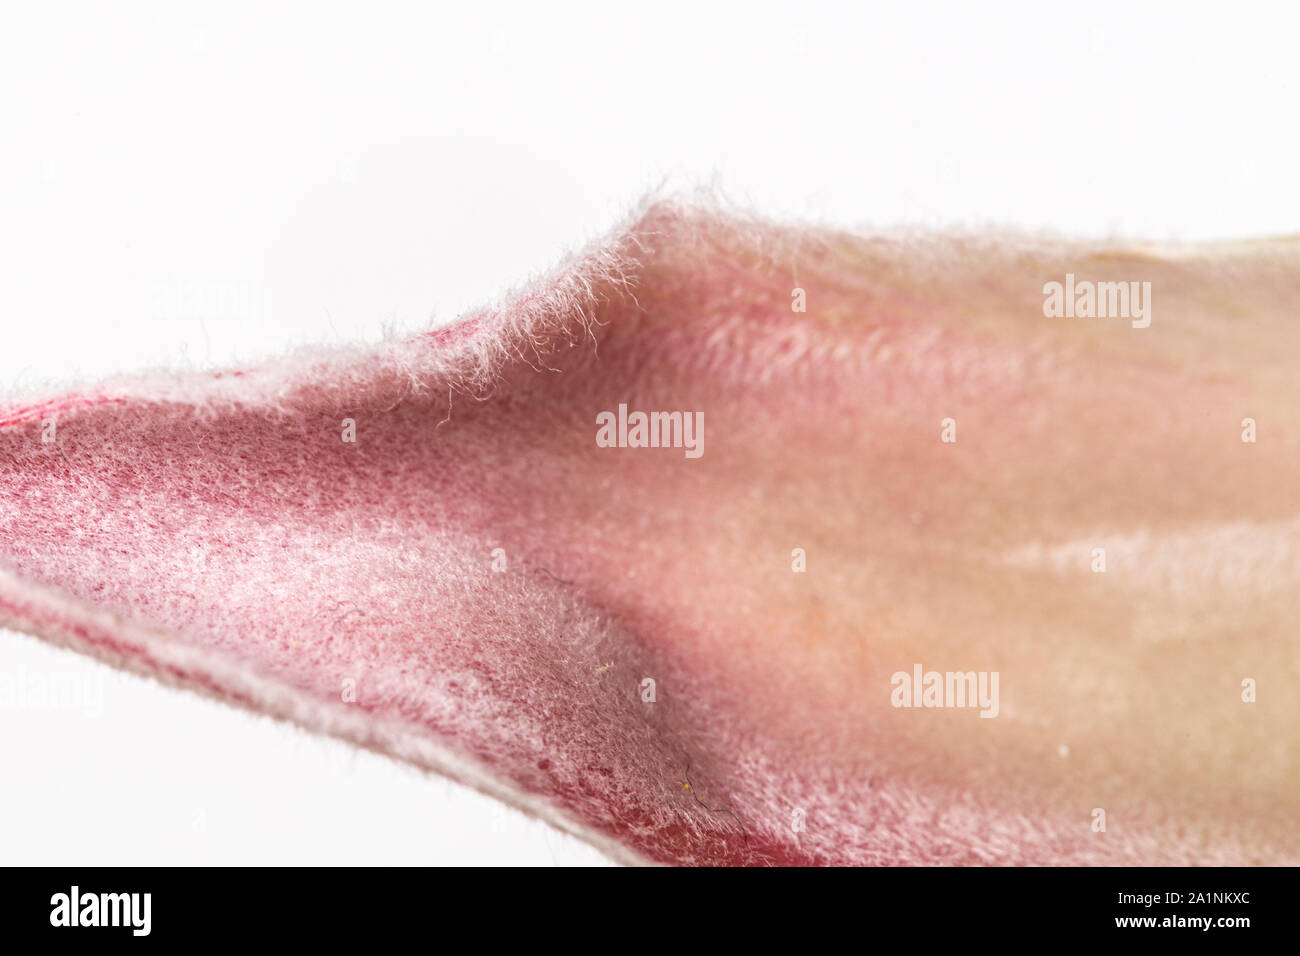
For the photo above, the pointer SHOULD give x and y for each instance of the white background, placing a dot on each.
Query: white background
(197, 186)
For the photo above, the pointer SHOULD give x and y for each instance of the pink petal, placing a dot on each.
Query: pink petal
(217, 532)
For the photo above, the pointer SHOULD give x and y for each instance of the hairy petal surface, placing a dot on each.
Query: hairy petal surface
(615, 638)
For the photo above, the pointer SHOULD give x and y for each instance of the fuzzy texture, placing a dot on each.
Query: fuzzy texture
(215, 531)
